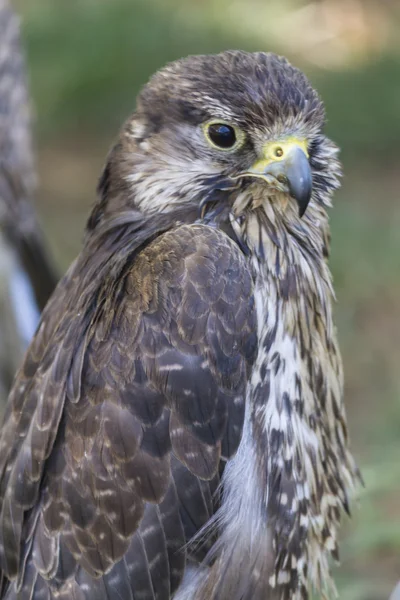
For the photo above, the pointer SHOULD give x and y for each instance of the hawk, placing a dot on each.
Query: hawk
(27, 278)
(177, 428)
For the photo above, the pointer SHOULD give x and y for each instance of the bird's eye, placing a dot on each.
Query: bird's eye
(223, 136)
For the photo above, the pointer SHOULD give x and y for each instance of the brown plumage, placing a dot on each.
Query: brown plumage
(26, 276)
(177, 429)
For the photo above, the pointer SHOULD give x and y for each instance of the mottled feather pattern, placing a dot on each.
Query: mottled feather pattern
(295, 434)
(18, 221)
(165, 378)
(297, 419)
(177, 429)
(27, 278)
(16, 160)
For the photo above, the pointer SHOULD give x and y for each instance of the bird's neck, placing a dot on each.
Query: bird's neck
(293, 462)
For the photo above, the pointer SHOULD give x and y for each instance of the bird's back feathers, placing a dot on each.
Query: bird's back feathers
(121, 416)
(26, 274)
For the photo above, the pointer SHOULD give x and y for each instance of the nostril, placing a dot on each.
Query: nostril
(282, 179)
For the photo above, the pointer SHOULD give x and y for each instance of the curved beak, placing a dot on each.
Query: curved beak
(286, 167)
(299, 178)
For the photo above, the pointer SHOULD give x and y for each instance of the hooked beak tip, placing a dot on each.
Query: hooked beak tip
(299, 177)
(302, 197)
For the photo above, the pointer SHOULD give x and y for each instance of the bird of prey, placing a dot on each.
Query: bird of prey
(177, 429)
(27, 278)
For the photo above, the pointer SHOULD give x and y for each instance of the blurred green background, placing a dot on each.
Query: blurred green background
(87, 60)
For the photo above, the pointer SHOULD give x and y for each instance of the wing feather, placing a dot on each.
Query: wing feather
(132, 390)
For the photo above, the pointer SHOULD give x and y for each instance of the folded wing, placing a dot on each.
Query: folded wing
(129, 402)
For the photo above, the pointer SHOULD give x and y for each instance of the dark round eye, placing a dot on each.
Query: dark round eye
(222, 135)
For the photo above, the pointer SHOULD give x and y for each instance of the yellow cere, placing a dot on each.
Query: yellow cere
(278, 150)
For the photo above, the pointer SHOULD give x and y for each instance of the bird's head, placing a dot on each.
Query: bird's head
(236, 127)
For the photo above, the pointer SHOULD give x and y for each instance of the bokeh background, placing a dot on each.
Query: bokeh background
(87, 60)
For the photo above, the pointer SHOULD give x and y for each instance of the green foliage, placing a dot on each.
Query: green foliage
(363, 106)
